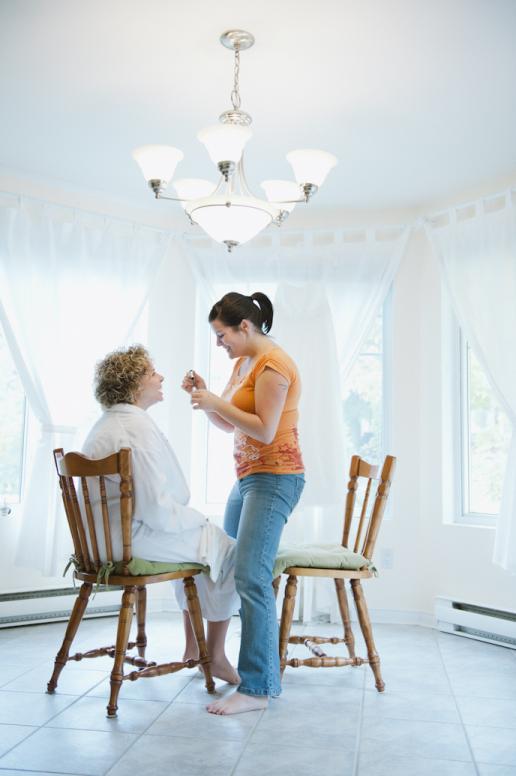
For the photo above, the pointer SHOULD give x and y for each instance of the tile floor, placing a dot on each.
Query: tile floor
(449, 709)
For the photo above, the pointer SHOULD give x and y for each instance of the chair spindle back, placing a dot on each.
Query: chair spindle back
(77, 465)
(369, 524)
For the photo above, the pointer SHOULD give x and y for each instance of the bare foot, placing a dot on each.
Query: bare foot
(222, 669)
(237, 703)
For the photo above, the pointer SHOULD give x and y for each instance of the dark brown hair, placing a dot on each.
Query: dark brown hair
(233, 308)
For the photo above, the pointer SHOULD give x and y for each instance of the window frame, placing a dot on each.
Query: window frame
(387, 379)
(200, 423)
(387, 355)
(464, 514)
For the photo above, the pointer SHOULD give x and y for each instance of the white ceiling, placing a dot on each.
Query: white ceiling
(415, 97)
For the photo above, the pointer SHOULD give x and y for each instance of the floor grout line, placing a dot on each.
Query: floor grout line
(470, 748)
(356, 757)
(31, 770)
(40, 727)
(138, 737)
(247, 741)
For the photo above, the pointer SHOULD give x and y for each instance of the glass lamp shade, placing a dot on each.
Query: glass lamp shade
(193, 188)
(240, 222)
(311, 166)
(157, 162)
(224, 142)
(280, 192)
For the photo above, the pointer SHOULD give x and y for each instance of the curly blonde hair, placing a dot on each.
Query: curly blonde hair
(119, 374)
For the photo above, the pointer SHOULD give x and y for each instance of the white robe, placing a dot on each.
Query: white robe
(165, 528)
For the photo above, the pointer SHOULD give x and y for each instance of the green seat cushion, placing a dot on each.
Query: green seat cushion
(323, 556)
(138, 567)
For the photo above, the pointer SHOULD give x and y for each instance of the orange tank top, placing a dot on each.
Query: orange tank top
(282, 455)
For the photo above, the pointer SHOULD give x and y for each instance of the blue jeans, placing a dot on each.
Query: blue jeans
(256, 512)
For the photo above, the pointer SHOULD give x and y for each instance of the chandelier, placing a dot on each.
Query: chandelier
(228, 211)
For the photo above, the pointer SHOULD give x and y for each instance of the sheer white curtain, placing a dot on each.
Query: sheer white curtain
(329, 287)
(72, 285)
(476, 247)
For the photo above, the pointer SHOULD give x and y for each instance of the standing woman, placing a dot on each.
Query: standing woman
(259, 404)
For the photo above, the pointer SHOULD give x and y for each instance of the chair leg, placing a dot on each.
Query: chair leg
(141, 610)
(344, 613)
(76, 616)
(275, 586)
(122, 637)
(367, 631)
(287, 614)
(194, 609)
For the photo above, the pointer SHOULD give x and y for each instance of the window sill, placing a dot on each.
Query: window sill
(475, 521)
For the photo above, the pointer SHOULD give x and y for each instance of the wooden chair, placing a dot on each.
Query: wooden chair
(368, 527)
(88, 565)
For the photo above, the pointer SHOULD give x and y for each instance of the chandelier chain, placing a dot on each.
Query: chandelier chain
(235, 94)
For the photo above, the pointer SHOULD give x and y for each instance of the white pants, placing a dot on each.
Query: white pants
(208, 545)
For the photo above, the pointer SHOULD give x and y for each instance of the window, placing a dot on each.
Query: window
(220, 470)
(364, 394)
(19, 427)
(13, 423)
(365, 397)
(485, 435)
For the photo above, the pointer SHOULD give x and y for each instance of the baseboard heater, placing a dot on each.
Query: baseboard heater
(476, 622)
(38, 606)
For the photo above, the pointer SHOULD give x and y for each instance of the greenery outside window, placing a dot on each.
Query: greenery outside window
(365, 392)
(485, 437)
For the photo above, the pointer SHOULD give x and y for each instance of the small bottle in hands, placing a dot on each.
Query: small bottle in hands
(188, 383)
(192, 382)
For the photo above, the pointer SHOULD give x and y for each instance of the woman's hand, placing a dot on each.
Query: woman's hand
(202, 399)
(190, 383)
(270, 394)
(205, 400)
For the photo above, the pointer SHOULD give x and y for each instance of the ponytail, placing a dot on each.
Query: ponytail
(233, 308)
(264, 304)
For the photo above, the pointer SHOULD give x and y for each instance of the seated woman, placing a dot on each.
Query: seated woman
(165, 528)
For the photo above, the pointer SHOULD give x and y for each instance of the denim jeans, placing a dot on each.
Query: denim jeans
(256, 512)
